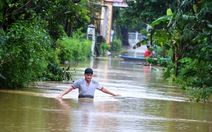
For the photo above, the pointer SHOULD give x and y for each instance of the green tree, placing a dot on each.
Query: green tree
(190, 29)
(29, 31)
(137, 15)
(25, 54)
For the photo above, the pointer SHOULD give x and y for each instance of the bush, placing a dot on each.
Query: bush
(104, 47)
(116, 45)
(195, 76)
(25, 54)
(73, 49)
(159, 61)
(199, 94)
(161, 52)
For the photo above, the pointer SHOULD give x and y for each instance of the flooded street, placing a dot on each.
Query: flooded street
(147, 103)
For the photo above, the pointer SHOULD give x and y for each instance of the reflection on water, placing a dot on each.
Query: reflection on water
(147, 104)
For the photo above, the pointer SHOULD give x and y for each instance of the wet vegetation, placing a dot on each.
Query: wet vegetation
(37, 37)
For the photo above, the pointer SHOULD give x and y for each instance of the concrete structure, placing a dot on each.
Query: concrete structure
(91, 35)
(107, 16)
(135, 37)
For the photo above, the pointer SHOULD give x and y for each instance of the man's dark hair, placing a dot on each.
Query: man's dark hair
(88, 71)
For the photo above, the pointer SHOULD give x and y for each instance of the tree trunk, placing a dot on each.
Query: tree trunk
(124, 33)
(176, 59)
(68, 28)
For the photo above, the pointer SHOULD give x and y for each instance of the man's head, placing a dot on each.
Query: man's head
(88, 74)
(88, 71)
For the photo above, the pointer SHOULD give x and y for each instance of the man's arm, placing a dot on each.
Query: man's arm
(65, 92)
(108, 92)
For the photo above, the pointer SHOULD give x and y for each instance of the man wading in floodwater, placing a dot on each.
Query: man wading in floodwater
(87, 86)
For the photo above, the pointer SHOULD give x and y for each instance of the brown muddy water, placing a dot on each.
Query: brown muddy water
(147, 103)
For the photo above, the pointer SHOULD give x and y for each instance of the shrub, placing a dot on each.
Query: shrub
(25, 54)
(73, 49)
(116, 45)
(103, 48)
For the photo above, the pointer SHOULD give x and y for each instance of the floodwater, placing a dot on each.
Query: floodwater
(147, 103)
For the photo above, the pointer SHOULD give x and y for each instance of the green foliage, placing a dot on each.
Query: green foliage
(189, 41)
(55, 13)
(138, 14)
(150, 11)
(26, 51)
(161, 52)
(169, 12)
(28, 35)
(116, 45)
(104, 47)
(199, 94)
(196, 73)
(157, 61)
(169, 72)
(2, 43)
(159, 20)
(151, 60)
(73, 49)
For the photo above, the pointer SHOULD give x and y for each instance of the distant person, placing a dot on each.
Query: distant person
(86, 86)
(149, 53)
